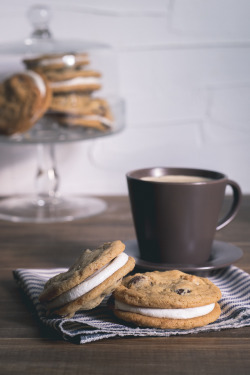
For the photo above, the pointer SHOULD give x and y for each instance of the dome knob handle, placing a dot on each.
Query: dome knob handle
(39, 17)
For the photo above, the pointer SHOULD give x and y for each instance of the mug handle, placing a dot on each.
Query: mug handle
(234, 207)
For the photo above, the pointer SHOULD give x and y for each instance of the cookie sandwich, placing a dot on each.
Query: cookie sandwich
(24, 98)
(74, 80)
(167, 300)
(57, 61)
(79, 104)
(82, 111)
(88, 281)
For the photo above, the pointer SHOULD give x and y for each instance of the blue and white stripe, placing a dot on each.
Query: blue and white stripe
(99, 323)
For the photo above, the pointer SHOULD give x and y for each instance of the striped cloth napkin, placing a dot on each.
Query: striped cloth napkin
(99, 323)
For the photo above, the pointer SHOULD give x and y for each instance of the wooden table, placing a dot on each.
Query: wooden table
(28, 348)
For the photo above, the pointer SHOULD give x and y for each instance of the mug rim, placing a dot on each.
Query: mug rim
(137, 175)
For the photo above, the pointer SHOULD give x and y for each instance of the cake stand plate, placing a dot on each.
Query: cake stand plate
(28, 209)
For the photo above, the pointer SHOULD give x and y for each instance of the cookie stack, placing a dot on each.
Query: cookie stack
(72, 86)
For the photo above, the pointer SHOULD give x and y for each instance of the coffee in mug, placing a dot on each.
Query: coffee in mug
(176, 212)
(176, 178)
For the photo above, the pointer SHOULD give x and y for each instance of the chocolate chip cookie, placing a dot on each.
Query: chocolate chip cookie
(24, 98)
(170, 299)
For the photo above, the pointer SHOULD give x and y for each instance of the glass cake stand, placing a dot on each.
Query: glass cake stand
(47, 205)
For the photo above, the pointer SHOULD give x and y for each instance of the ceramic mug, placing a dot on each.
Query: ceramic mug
(176, 212)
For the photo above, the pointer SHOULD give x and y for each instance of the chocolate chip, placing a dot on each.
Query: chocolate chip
(135, 280)
(182, 291)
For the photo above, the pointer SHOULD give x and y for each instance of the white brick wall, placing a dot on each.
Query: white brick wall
(184, 75)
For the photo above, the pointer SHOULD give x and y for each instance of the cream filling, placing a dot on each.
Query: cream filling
(189, 313)
(67, 60)
(78, 81)
(38, 81)
(90, 283)
(103, 120)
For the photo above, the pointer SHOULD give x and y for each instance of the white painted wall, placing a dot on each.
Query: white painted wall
(184, 73)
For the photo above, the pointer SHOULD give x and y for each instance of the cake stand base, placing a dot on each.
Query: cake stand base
(28, 209)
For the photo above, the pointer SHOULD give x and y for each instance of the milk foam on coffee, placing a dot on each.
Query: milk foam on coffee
(176, 178)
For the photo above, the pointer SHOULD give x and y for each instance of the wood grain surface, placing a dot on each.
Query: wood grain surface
(26, 347)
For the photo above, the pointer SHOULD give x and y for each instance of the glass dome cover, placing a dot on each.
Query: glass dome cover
(84, 102)
(54, 91)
